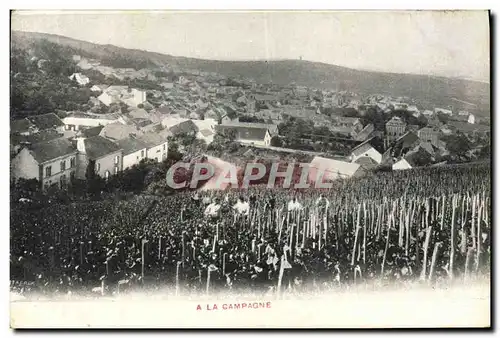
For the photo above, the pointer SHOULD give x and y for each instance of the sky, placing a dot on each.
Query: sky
(445, 43)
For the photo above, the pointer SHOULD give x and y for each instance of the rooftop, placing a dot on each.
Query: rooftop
(98, 146)
(46, 121)
(50, 150)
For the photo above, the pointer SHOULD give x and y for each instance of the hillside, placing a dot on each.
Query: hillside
(427, 91)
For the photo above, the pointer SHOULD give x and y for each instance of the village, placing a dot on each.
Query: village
(123, 125)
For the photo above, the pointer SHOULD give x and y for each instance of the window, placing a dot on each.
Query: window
(106, 174)
(163, 147)
(117, 159)
(142, 153)
(72, 162)
(63, 165)
(98, 166)
(48, 171)
(156, 158)
(116, 170)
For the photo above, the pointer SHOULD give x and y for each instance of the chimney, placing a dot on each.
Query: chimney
(80, 144)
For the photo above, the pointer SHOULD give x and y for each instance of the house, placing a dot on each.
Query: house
(395, 127)
(22, 127)
(366, 163)
(206, 129)
(99, 153)
(333, 169)
(443, 111)
(99, 88)
(273, 129)
(354, 123)
(118, 131)
(167, 85)
(399, 105)
(178, 126)
(372, 148)
(446, 130)
(51, 163)
(17, 141)
(414, 110)
(402, 164)
(470, 129)
(134, 151)
(138, 113)
(247, 133)
(365, 133)
(416, 158)
(115, 94)
(405, 142)
(470, 118)
(47, 121)
(78, 120)
(156, 146)
(428, 134)
(81, 79)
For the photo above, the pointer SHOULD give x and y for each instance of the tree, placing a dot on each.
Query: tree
(458, 145)
(276, 141)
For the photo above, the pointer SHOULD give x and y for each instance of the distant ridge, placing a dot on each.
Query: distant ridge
(428, 90)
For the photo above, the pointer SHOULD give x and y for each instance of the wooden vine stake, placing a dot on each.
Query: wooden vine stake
(452, 240)
(426, 248)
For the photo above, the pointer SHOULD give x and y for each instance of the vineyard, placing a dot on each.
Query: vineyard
(428, 225)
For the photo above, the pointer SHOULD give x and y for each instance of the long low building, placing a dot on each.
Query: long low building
(247, 133)
(333, 169)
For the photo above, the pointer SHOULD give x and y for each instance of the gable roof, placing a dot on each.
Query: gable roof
(20, 126)
(98, 146)
(93, 131)
(206, 132)
(407, 139)
(46, 121)
(131, 145)
(50, 150)
(118, 131)
(395, 120)
(186, 126)
(245, 133)
(334, 168)
(365, 133)
(366, 162)
(42, 136)
(151, 139)
(273, 129)
(138, 113)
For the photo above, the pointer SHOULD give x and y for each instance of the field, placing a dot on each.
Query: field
(429, 225)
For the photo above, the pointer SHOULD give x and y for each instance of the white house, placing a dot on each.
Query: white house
(81, 79)
(247, 134)
(401, 165)
(157, 146)
(471, 119)
(134, 151)
(130, 96)
(331, 169)
(443, 111)
(206, 129)
(78, 120)
(365, 149)
(98, 88)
